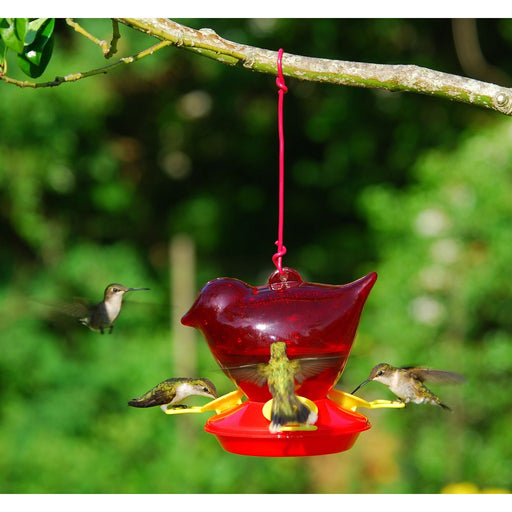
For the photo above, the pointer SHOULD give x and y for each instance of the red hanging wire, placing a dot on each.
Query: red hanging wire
(281, 249)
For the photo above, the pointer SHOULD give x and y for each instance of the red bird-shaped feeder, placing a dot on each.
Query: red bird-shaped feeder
(284, 345)
(316, 322)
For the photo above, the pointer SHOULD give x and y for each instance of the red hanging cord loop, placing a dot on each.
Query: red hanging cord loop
(281, 249)
(280, 78)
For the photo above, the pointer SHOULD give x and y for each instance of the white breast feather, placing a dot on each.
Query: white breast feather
(182, 391)
(394, 382)
(113, 307)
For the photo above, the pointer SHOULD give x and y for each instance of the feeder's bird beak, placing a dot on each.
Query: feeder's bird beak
(361, 385)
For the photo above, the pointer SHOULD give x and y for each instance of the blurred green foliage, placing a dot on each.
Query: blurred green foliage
(97, 176)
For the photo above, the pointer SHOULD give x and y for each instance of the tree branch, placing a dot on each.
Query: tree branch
(115, 38)
(403, 78)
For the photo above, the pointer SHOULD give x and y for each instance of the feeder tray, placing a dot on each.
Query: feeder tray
(242, 428)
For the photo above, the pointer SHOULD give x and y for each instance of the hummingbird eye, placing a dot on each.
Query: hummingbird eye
(380, 372)
(206, 389)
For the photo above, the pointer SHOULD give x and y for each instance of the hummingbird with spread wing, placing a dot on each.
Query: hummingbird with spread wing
(281, 373)
(408, 383)
(101, 316)
(172, 392)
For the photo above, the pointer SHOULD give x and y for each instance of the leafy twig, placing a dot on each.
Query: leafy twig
(78, 76)
(405, 78)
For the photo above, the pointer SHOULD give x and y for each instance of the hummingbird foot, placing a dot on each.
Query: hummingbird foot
(313, 416)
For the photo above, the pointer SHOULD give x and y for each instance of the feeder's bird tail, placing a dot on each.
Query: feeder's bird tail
(290, 411)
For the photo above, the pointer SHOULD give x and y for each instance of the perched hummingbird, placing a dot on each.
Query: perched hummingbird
(174, 391)
(408, 383)
(103, 315)
(281, 373)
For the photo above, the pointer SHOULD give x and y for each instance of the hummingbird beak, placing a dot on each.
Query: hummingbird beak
(135, 289)
(361, 385)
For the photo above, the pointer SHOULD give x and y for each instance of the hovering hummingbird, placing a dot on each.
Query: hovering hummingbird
(103, 315)
(174, 391)
(281, 373)
(408, 383)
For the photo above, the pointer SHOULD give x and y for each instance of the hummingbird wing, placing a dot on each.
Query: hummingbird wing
(161, 394)
(436, 376)
(254, 373)
(302, 369)
(79, 308)
(308, 367)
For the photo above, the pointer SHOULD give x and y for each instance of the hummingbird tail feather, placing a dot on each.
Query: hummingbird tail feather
(294, 412)
(434, 399)
(137, 402)
(152, 398)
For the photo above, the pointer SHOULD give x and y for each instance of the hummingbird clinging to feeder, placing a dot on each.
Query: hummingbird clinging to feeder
(408, 383)
(172, 392)
(281, 373)
(103, 315)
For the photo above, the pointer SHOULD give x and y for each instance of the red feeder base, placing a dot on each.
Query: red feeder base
(244, 430)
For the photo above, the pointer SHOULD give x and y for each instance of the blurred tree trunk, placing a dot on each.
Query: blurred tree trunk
(183, 292)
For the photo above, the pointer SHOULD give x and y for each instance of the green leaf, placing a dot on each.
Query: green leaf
(35, 55)
(12, 32)
(33, 28)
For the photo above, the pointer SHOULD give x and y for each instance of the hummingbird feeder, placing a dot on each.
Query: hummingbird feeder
(240, 322)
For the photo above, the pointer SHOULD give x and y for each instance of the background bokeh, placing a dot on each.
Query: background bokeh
(98, 177)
